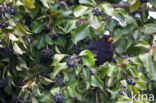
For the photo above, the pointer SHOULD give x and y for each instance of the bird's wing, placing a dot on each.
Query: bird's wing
(93, 48)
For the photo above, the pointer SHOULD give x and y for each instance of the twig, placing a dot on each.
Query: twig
(97, 101)
(127, 6)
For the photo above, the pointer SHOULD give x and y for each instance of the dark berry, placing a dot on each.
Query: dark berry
(60, 82)
(1, 42)
(97, 12)
(46, 55)
(91, 72)
(49, 86)
(15, 99)
(71, 61)
(4, 24)
(131, 81)
(3, 83)
(124, 56)
(75, 49)
(30, 39)
(101, 12)
(58, 98)
(54, 36)
(121, 93)
(46, 29)
(6, 51)
(2, 11)
(20, 83)
(130, 61)
(11, 10)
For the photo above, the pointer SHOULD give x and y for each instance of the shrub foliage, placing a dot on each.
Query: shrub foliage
(43, 56)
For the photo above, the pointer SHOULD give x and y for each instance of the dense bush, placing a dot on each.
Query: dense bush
(43, 56)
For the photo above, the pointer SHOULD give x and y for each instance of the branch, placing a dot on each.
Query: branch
(127, 6)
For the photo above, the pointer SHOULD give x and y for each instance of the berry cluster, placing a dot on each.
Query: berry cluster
(123, 91)
(75, 49)
(92, 72)
(46, 29)
(6, 51)
(46, 55)
(131, 81)
(10, 10)
(58, 98)
(3, 83)
(20, 83)
(71, 61)
(54, 36)
(59, 81)
(4, 24)
(97, 12)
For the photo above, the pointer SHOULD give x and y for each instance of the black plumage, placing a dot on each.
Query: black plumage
(103, 48)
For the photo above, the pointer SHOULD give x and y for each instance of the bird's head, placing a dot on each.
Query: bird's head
(107, 38)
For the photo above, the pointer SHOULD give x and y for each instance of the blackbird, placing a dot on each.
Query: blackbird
(103, 49)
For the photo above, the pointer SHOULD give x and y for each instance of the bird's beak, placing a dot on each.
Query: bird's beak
(110, 39)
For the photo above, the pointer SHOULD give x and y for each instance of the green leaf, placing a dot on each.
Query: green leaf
(148, 29)
(153, 2)
(54, 90)
(49, 40)
(85, 73)
(141, 85)
(45, 3)
(58, 68)
(147, 62)
(80, 33)
(109, 10)
(95, 22)
(96, 82)
(13, 37)
(38, 27)
(36, 91)
(88, 58)
(111, 70)
(17, 49)
(70, 26)
(57, 59)
(88, 2)
(34, 100)
(29, 3)
(71, 90)
(134, 6)
(45, 97)
(143, 44)
(41, 43)
(80, 10)
(20, 30)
